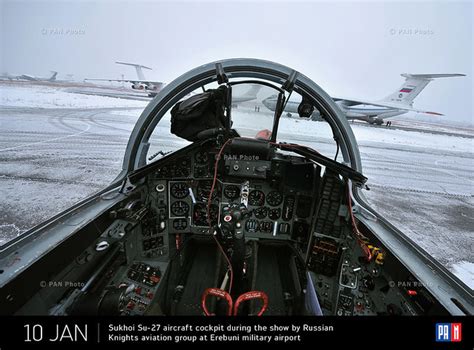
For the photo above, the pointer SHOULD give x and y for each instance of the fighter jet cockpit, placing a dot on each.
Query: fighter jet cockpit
(227, 208)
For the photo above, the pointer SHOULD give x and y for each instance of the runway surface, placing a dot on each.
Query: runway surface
(51, 158)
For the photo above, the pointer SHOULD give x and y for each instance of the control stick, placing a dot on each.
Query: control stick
(231, 234)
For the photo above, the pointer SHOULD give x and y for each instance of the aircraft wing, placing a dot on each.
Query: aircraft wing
(352, 102)
(136, 81)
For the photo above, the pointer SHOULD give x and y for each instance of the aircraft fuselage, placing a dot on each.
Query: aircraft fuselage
(367, 113)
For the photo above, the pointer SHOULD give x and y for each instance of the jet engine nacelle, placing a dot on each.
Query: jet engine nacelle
(378, 121)
(138, 86)
(154, 87)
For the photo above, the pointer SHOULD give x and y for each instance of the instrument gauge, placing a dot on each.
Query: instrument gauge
(204, 189)
(257, 198)
(274, 198)
(179, 190)
(261, 212)
(200, 214)
(274, 213)
(232, 192)
(201, 158)
(180, 208)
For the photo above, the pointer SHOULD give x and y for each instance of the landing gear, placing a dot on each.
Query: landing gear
(376, 121)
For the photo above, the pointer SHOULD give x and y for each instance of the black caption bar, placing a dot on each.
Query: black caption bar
(78, 332)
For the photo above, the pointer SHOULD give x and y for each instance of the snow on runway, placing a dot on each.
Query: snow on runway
(40, 96)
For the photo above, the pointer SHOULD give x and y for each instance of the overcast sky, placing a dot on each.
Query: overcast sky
(351, 49)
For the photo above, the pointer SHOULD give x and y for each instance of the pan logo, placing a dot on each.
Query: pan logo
(448, 332)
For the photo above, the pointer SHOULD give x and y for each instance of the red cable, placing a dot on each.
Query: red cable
(178, 241)
(360, 237)
(209, 202)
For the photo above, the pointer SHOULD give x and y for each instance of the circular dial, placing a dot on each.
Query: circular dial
(201, 157)
(232, 192)
(274, 198)
(274, 213)
(179, 190)
(179, 208)
(204, 188)
(257, 198)
(200, 214)
(260, 213)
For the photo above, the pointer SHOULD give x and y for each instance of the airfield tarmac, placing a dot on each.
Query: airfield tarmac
(51, 158)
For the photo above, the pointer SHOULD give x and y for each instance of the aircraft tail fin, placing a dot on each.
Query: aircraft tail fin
(413, 85)
(53, 76)
(138, 68)
(253, 91)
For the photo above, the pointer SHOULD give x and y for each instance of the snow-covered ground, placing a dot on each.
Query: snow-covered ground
(413, 139)
(465, 271)
(64, 149)
(40, 96)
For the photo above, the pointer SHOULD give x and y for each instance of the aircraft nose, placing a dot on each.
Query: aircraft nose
(266, 102)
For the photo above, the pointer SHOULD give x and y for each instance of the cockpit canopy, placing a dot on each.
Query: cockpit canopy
(309, 115)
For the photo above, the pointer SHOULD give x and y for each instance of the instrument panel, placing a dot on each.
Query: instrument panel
(271, 211)
(287, 199)
(276, 210)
